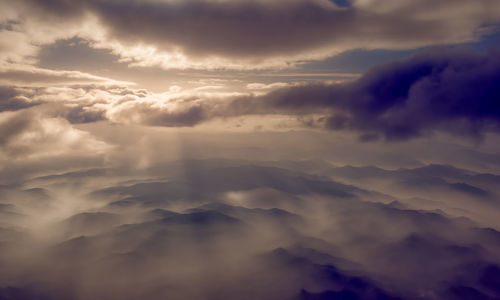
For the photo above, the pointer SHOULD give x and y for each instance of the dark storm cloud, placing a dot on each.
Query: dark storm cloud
(260, 30)
(254, 29)
(450, 90)
(233, 28)
(457, 91)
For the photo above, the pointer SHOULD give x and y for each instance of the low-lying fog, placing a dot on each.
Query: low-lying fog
(248, 216)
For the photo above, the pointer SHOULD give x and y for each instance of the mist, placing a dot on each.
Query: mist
(249, 149)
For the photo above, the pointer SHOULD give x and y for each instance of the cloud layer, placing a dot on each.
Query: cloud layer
(201, 176)
(447, 90)
(218, 229)
(246, 34)
(452, 90)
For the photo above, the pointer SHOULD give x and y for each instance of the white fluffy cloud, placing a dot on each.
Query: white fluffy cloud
(29, 133)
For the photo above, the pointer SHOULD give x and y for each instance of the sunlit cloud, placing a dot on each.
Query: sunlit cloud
(249, 149)
(25, 75)
(210, 35)
(30, 134)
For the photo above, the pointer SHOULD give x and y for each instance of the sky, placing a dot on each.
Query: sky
(249, 149)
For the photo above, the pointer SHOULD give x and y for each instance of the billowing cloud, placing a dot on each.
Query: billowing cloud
(452, 90)
(10, 99)
(252, 34)
(31, 133)
(455, 91)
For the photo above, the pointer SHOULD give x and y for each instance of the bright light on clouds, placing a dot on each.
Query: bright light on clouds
(249, 149)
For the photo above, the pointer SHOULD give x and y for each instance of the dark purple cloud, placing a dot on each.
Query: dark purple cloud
(457, 91)
(451, 90)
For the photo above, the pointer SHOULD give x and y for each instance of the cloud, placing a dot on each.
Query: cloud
(257, 33)
(251, 34)
(31, 133)
(263, 86)
(317, 242)
(447, 90)
(104, 196)
(150, 114)
(11, 127)
(31, 76)
(456, 91)
(450, 90)
(83, 102)
(172, 109)
(10, 99)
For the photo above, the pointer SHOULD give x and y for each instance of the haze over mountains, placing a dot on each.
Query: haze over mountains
(249, 149)
(231, 229)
